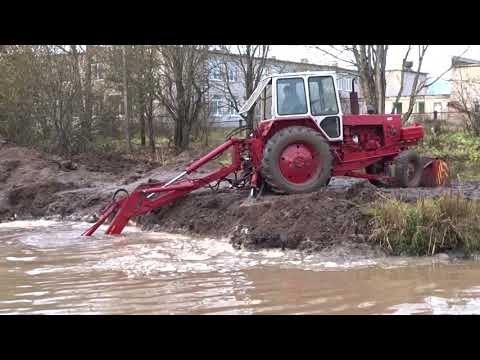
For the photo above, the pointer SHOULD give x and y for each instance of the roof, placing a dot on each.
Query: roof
(303, 73)
(440, 87)
(407, 70)
(276, 60)
(459, 61)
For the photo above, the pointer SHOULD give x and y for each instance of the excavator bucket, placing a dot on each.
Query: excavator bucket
(435, 173)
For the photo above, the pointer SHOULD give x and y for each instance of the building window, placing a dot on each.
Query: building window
(216, 105)
(269, 70)
(344, 83)
(232, 72)
(398, 108)
(215, 72)
(231, 108)
(275, 69)
(420, 107)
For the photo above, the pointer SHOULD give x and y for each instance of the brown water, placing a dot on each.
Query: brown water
(46, 268)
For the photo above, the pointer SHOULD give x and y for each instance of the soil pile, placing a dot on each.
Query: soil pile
(312, 221)
(33, 184)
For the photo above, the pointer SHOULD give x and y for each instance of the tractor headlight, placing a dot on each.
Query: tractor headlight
(355, 139)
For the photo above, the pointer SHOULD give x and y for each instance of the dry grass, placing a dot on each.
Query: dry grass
(427, 227)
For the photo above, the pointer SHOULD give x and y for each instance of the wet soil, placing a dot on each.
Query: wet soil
(34, 185)
(311, 222)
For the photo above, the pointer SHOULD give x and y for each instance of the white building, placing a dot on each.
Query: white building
(430, 102)
(393, 80)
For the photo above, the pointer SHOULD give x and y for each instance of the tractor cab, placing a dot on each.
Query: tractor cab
(311, 95)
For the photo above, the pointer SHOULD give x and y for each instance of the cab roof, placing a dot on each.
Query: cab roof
(303, 73)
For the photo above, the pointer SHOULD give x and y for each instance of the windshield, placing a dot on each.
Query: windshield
(323, 98)
(291, 97)
(253, 98)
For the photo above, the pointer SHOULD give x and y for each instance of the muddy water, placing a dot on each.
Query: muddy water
(46, 268)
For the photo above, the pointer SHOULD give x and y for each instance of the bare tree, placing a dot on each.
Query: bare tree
(150, 95)
(422, 49)
(251, 60)
(402, 78)
(182, 86)
(126, 99)
(370, 62)
(418, 85)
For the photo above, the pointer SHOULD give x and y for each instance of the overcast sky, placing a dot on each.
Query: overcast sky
(436, 61)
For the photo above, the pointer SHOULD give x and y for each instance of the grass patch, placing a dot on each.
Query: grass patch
(427, 227)
(460, 149)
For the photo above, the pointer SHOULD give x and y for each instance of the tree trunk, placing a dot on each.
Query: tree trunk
(151, 133)
(150, 96)
(142, 126)
(178, 136)
(181, 138)
(141, 110)
(413, 95)
(126, 100)
(87, 121)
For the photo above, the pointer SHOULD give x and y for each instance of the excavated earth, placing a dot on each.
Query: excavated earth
(34, 185)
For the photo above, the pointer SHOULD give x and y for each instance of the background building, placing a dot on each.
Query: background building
(222, 110)
(464, 104)
(393, 79)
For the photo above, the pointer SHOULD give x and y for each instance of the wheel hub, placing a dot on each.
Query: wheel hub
(298, 163)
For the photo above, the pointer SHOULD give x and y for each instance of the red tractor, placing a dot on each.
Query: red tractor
(300, 142)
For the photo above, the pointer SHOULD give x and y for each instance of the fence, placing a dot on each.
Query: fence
(436, 115)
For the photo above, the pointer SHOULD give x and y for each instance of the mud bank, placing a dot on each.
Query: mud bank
(316, 221)
(33, 185)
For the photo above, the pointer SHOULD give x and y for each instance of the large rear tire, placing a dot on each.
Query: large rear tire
(296, 160)
(408, 169)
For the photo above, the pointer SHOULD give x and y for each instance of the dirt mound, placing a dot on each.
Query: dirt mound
(113, 163)
(33, 200)
(306, 221)
(33, 184)
(6, 168)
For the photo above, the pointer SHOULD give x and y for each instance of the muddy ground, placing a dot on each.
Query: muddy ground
(34, 185)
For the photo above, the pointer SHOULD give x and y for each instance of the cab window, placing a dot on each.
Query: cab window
(323, 98)
(266, 102)
(291, 99)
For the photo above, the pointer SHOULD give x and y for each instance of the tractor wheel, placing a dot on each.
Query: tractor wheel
(408, 169)
(296, 160)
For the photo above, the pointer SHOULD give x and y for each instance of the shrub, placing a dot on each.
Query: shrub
(428, 226)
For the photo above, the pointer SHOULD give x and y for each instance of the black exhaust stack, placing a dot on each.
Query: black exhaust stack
(354, 106)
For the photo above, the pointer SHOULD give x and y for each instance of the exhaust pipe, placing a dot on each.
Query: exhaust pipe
(354, 106)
